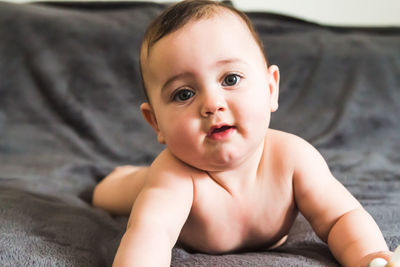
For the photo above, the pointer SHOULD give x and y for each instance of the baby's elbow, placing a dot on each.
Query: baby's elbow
(322, 231)
(346, 221)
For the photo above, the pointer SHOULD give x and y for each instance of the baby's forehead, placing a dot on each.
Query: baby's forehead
(196, 29)
(220, 13)
(223, 15)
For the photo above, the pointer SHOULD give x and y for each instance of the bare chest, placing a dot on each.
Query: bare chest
(220, 222)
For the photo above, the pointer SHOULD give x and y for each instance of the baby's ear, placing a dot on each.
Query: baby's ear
(273, 86)
(150, 117)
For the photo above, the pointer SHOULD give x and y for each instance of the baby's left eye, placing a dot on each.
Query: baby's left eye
(231, 80)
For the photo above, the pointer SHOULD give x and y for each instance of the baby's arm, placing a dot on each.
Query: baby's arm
(158, 215)
(336, 216)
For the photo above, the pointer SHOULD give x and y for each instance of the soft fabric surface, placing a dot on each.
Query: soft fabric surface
(70, 92)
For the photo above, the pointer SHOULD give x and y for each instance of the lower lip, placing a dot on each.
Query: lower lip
(222, 135)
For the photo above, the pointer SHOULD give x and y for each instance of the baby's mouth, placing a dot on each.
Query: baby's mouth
(220, 130)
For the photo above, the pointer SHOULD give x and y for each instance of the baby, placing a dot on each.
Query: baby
(225, 182)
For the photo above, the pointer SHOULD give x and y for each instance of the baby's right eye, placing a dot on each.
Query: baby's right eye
(182, 95)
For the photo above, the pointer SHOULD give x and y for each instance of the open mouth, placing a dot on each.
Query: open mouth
(220, 131)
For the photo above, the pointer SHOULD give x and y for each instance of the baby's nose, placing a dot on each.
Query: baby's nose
(212, 104)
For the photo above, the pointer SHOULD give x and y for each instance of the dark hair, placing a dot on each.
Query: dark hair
(178, 15)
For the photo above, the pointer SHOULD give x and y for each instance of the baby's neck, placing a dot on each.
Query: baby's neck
(243, 176)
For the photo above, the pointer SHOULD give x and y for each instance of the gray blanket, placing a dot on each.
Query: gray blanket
(69, 113)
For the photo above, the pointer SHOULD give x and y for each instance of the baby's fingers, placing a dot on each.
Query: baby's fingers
(372, 259)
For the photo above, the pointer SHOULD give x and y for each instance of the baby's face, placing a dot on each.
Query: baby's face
(211, 92)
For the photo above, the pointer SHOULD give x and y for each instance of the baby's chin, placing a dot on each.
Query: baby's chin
(216, 165)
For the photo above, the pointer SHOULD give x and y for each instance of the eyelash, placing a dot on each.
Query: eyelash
(176, 92)
(238, 76)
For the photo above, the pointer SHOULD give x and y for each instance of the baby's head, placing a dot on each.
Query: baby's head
(209, 89)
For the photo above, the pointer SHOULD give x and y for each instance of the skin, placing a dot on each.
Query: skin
(239, 190)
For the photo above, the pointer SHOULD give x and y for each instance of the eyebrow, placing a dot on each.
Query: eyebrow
(188, 74)
(175, 77)
(229, 61)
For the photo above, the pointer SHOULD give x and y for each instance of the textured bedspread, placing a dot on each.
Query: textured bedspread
(69, 113)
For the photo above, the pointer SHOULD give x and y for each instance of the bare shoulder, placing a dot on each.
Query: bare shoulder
(166, 197)
(294, 147)
(287, 140)
(290, 148)
(167, 170)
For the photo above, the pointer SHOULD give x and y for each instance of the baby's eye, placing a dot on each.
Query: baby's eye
(231, 80)
(183, 95)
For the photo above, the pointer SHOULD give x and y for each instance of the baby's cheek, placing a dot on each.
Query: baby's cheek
(256, 108)
(182, 134)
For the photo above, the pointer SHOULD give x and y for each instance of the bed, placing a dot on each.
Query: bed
(70, 92)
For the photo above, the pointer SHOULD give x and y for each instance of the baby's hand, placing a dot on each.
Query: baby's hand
(383, 259)
(367, 260)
